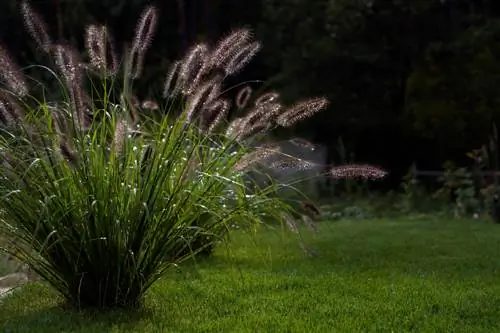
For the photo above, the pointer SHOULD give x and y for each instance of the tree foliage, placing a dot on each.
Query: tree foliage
(374, 60)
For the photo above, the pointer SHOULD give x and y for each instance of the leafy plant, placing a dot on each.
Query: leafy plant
(99, 199)
(476, 190)
(458, 185)
(409, 186)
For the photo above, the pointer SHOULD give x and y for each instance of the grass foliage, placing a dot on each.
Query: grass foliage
(104, 219)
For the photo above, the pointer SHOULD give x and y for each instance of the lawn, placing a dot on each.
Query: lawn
(413, 275)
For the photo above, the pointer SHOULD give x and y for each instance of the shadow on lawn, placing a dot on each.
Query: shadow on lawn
(61, 318)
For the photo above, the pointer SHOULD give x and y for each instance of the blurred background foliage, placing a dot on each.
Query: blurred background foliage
(409, 81)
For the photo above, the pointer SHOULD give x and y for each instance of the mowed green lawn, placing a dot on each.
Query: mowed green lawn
(419, 275)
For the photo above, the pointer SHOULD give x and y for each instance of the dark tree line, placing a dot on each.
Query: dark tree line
(408, 80)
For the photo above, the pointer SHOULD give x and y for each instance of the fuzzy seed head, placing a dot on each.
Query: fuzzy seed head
(100, 48)
(142, 40)
(11, 110)
(241, 58)
(136, 63)
(228, 47)
(145, 29)
(262, 113)
(11, 74)
(36, 26)
(150, 105)
(302, 143)
(66, 59)
(120, 134)
(293, 163)
(94, 42)
(258, 127)
(270, 97)
(362, 171)
(194, 65)
(243, 97)
(172, 83)
(234, 127)
(217, 111)
(311, 209)
(302, 110)
(259, 119)
(5, 114)
(68, 62)
(203, 96)
(259, 155)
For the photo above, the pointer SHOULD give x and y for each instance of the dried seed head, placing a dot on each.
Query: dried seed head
(94, 42)
(234, 127)
(101, 50)
(119, 136)
(68, 63)
(357, 171)
(5, 115)
(270, 97)
(302, 110)
(203, 96)
(265, 112)
(254, 116)
(243, 97)
(145, 29)
(36, 26)
(271, 146)
(302, 143)
(193, 66)
(142, 40)
(11, 74)
(5, 118)
(217, 111)
(293, 163)
(11, 111)
(228, 47)
(250, 131)
(260, 154)
(311, 209)
(172, 82)
(243, 57)
(135, 63)
(260, 119)
(150, 105)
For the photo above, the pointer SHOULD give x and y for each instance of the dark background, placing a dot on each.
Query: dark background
(409, 81)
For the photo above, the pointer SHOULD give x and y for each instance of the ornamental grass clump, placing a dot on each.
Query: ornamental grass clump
(100, 221)
(100, 198)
